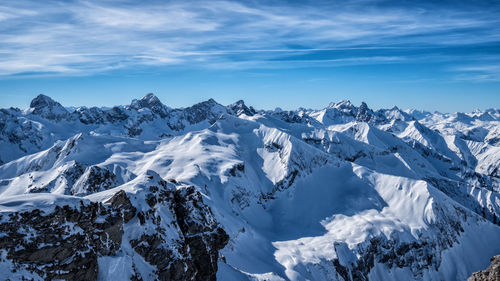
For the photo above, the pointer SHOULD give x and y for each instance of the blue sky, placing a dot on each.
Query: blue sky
(434, 55)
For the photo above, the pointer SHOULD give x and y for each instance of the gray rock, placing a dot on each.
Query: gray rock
(492, 273)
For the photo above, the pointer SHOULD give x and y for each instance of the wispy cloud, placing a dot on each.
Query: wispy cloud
(479, 73)
(85, 37)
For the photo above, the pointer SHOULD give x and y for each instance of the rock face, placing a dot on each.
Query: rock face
(492, 273)
(48, 108)
(239, 108)
(153, 103)
(94, 179)
(199, 237)
(172, 230)
(63, 243)
(203, 236)
(417, 256)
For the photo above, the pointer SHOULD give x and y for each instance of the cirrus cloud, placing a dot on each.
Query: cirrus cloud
(86, 37)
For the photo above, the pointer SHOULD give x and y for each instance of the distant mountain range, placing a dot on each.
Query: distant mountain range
(149, 192)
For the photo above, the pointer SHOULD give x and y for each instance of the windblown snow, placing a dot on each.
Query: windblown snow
(341, 193)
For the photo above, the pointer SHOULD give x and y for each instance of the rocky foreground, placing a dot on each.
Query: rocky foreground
(67, 238)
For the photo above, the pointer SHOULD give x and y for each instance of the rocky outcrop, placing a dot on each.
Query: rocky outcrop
(93, 115)
(418, 256)
(63, 243)
(364, 113)
(94, 179)
(171, 229)
(121, 201)
(208, 111)
(151, 102)
(204, 237)
(238, 108)
(193, 253)
(492, 273)
(48, 108)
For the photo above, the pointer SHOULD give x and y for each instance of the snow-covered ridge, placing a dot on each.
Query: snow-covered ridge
(341, 193)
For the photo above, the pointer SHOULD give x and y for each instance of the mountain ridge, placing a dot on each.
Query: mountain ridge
(339, 193)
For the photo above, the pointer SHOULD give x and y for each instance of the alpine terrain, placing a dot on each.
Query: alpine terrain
(214, 192)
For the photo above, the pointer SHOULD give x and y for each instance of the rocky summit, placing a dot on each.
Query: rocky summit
(212, 192)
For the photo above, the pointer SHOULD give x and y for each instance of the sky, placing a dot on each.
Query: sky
(433, 55)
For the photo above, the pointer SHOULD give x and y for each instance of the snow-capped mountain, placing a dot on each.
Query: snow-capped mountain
(148, 192)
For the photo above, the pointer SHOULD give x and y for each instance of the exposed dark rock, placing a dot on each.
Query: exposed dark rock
(121, 201)
(48, 108)
(200, 236)
(364, 113)
(233, 171)
(116, 114)
(418, 255)
(64, 243)
(93, 115)
(151, 102)
(208, 110)
(94, 179)
(239, 108)
(293, 117)
(492, 273)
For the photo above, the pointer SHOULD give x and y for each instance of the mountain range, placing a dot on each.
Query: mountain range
(213, 192)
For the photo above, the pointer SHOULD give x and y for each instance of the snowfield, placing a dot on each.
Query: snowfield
(232, 193)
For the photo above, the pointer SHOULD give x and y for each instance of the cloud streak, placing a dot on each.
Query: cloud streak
(87, 37)
(479, 73)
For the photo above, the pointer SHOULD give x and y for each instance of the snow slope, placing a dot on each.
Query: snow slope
(341, 193)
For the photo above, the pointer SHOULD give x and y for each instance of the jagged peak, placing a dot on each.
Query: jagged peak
(145, 179)
(239, 102)
(48, 108)
(462, 117)
(42, 101)
(151, 99)
(210, 103)
(395, 113)
(485, 116)
(148, 101)
(341, 104)
(419, 127)
(239, 107)
(68, 145)
(364, 113)
(364, 105)
(151, 102)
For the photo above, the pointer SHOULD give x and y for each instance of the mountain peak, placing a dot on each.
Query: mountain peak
(462, 117)
(364, 113)
(240, 107)
(148, 101)
(341, 104)
(48, 108)
(152, 102)
(151, 98)
(42, 101)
